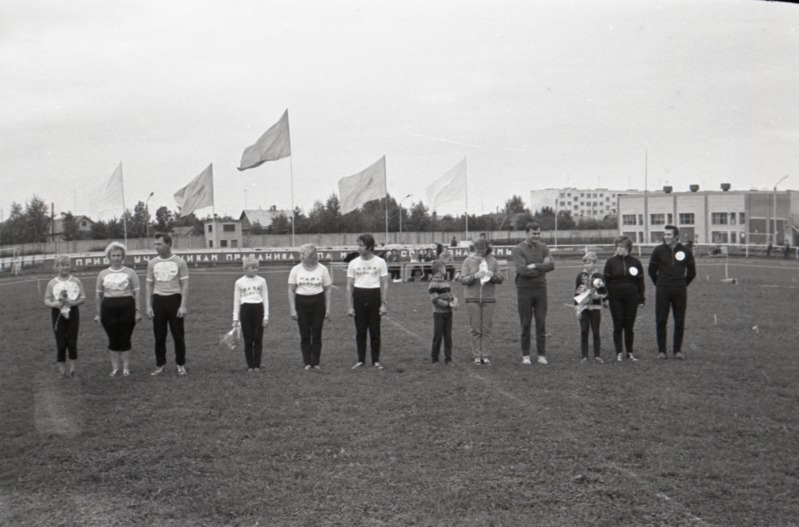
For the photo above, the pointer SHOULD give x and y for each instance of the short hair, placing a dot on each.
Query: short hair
(115, 246)
(673, 229)
(249, 261)
(532, 226)
(164, 236)
(624, 241)
(308, 250)
(367, 240)
(438, 266)
(61, 258)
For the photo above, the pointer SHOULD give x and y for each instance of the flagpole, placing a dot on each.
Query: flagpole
(466, 198)
(124, 212)
(385, 186)
(291, 175)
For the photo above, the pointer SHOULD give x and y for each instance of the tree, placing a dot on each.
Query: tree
(163, 219)
(137, 227)
(514, 205)
(37, 220)
(280, 225)
(69, 227)
(419, 219)
(14, 227)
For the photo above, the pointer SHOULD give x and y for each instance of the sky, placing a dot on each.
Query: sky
(552, 93)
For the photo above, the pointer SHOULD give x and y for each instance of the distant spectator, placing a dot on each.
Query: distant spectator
(393, 262)
(447, 257)
(454, 242)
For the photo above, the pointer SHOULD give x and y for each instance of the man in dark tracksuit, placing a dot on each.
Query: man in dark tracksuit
(672, 268)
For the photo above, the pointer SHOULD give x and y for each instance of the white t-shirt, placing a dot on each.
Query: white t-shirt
(309, 282)
(70, 287)
(367, 273)
(166, 274)
(117, 283)
(250, 291)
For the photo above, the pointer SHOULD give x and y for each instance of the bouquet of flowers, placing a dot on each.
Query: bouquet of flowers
(231, 339)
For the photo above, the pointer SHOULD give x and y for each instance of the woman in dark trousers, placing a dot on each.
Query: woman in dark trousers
(624, 276)
(309, 303)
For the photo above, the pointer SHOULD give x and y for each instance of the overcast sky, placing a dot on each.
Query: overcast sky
(533, 94)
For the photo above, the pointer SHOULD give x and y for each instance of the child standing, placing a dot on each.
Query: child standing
(589, 294)
(63, 295)
(443, 305)
(480, 275)
(251, 311)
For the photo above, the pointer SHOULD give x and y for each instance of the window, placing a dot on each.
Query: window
(576, 207)
(210, 243)
(576, 199)
(718, 218)
(234, 243)
(582, 194)
(732, 238)
(229, 227)
(669, 218)
(732, 218)
(686, 218)
(84, 223)
(628, 219)
(210, 228)
(223, 243)
(640, 221)
(742, 218)
(719, 237)
(657, 219)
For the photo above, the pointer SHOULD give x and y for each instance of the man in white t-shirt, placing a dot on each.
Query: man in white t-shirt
(167, 296)
(367, 297)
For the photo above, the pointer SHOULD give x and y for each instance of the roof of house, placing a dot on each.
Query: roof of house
(261, 216)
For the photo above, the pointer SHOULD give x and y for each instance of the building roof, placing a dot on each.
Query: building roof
(261, 216)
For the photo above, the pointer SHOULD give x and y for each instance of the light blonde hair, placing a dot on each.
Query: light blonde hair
(249, 261)
(115, 245)
(61, 258)
(308, 251)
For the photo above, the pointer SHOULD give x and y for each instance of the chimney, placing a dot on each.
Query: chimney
(725, 187)
(694, 188)
(667, 189)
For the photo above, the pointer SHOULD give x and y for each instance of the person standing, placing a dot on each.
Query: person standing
(251, 311)
(590, 287)
(532, 261)
(117, 301)
(672, 269)
(480, 275)
(63, 295)
(443, 304)
(309, 303)
(167, 296)
(624, 276)
(367, 297)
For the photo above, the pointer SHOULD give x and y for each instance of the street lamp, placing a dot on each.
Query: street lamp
(400, 211)
(774, 215)
(147, 216)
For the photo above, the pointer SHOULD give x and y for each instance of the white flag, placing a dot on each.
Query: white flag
(199, 193)
(449, 188)
(273, 145)
(364, 186)
(108, 201)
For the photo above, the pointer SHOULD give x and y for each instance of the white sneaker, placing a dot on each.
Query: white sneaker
(158, 371)
(487, 362)
(182, 370)
(542, 360)
(378, 365)
(477, 361)
(619, 357)
(113, 373)
(357, 365)
(526, 360)
(307, 366)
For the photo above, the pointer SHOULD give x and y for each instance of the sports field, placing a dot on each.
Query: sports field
(712, 440)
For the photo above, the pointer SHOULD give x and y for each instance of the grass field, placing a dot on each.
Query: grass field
(707, 441)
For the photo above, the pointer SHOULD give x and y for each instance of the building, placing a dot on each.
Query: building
(83, 224)
(264, 218)
(723, 216)
(222, 234)
(594, 203)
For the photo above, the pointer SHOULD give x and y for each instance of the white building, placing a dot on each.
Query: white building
(723, 216)
(582, 203)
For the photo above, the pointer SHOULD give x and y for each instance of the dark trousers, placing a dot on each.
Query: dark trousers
(623, 310)
(251, 318)
(532, 302)
(165, 311)
(66, 333)
(589, 322)
(676, 300)
(366, 303)
(118, 318)
(442, 330)
(310, 319)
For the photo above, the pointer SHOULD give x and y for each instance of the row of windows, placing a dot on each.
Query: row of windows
(685, 218)
(226, 227)
(564, 205)
(223, 243)
(586, 195)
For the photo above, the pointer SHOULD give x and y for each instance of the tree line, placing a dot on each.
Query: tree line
(33, 222)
